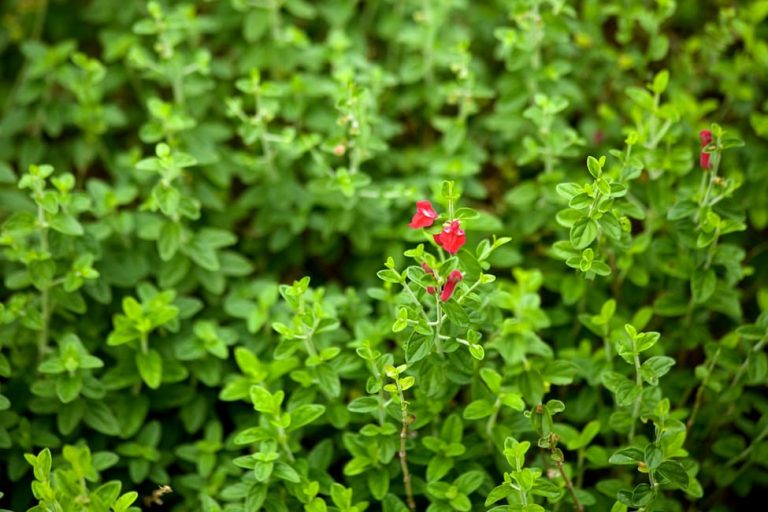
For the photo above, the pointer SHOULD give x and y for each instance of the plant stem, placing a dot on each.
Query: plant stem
(745, 365)
(580, 468)
(469, 290)
(489, 426)
(266, 148)
(416, 301)
(744, 454)
(45, 302)
(569, 485)
(402, 453)
(639, 384)
(283, 439)
(700, 391)
(438, 344)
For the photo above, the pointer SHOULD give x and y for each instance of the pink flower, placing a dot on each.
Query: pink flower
(452, 237)
(425, 215)
(453, 278)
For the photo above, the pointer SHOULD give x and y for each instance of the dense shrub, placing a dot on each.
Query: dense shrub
(212, 296)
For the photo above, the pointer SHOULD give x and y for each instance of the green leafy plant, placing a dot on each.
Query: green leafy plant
(387, 255)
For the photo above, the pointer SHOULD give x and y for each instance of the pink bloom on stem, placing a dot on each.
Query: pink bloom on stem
(425, 215)
(452, 237)
(453, 278)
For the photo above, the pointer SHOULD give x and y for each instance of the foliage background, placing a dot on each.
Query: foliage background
(205, 152)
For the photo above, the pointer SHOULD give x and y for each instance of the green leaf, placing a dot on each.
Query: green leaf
(682, 210)
(653, 456)
(109, 492)
(125, 501)
(674, 473)
(262, 400)
(660, 82)
(492, 379)
(68, 387)
(703, 285)
(478, 409)
(378, 483)
(202, 254)
(656, 367)
(285, 472)
(66, 224)
(594, 167)
(477, 351)
(100, 417)
(328, 379)
(628, 455)
(364, 404)
(583, 232)
(150, 367)
(438, 467)
(169, 240)
(389, 276)
(418, 347)
(304, 415)
(469, 482)
(499, 493)
(263, 470)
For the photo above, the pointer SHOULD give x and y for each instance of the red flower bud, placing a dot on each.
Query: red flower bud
(453, 278)
(425, 215)
(452, 237)
(706, 137)
(704, 160)
(339, 150)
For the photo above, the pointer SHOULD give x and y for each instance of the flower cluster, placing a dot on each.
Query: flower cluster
(704, 159)
(451, 238)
